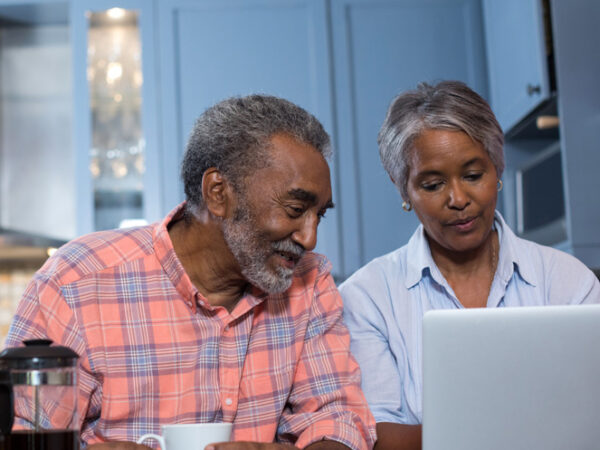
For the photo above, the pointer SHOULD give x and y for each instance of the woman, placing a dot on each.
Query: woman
(442, 147)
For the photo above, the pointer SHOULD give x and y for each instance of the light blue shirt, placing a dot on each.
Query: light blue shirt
(384, 304)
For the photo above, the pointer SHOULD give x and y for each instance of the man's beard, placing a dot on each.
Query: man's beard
(252, 250)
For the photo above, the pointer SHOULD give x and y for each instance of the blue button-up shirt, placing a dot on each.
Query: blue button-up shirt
(384, 304)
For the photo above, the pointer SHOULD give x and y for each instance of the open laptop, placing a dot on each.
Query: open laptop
(512, 378)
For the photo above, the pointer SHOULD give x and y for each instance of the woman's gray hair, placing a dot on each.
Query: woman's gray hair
(448, 105)
(234, 135)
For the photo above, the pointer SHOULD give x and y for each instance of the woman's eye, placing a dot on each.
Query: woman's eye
(431, 186)
(473, 176)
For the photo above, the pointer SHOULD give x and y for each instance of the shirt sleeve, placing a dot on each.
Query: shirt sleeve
(43, 313)
(326, 401)
(366, 306)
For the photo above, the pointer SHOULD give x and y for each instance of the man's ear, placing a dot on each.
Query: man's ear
(216, 192)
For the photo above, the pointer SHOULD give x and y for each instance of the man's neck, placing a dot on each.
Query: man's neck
(199, 245)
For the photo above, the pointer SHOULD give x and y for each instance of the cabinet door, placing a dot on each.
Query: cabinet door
(214, 49)
(115, 126)
(577, 43)
(37, 189)
(382, 48)
(517, 58)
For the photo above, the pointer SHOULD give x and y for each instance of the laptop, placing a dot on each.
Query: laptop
(512, 378)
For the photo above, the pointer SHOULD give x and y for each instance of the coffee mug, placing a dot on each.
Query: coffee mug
(190, 436)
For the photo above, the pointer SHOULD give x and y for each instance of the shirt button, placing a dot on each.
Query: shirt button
(226, 327)
(228, 401)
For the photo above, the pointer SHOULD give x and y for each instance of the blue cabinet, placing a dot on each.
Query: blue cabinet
(115, 131)
(382, 48)
(576, 39)
(211, 50)
(35, 120)
(516, 42)
(560, 165)
(343, 60)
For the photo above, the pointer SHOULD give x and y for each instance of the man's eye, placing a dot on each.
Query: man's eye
(321, 215)
(295, 211)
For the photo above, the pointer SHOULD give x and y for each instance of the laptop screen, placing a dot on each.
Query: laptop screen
(512, 378)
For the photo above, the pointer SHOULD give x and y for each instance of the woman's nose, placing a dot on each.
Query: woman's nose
(458, 197)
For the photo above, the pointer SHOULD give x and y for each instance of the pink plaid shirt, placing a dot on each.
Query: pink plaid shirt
(154, 352)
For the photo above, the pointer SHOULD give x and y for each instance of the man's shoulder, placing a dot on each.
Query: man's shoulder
(96, 252)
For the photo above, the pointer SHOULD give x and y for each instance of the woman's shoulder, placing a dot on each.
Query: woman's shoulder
(376, 281)
(387, 265)
(546, 257)
(563, 277)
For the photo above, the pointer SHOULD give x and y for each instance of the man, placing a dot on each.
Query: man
(220, 312)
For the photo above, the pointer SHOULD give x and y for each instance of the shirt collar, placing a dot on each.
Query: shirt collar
(163, 247)
(420, 262)
(419, 259)
(512, 257)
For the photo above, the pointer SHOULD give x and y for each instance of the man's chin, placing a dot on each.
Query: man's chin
(274, 284)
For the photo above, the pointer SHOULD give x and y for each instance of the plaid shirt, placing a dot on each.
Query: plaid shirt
(153, 351)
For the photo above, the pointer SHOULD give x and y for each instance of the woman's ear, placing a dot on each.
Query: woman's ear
(215, 192)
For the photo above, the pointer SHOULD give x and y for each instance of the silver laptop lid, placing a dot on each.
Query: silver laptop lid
(512, 378)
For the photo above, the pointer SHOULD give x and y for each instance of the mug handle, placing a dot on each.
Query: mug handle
(160, 439)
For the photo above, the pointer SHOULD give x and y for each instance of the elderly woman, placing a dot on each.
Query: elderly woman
(442, 147)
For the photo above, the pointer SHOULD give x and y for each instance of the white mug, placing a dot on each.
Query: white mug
(190, 436)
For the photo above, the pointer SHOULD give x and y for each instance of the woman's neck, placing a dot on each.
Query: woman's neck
(470, 274)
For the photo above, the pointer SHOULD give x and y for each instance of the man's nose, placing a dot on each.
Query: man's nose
(458, 197)
(306, 235)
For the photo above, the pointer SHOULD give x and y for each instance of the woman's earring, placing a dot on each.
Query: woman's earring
(406, 206)
(500, 184)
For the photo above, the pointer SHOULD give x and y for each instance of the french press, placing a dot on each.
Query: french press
(44, 396)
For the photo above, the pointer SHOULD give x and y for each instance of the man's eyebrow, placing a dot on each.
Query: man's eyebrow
(303, 195)
(307, 196)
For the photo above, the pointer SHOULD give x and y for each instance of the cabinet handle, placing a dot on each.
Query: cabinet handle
(531, 89)
(546, 122)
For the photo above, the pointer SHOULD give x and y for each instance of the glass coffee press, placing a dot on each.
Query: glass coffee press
(44, 395)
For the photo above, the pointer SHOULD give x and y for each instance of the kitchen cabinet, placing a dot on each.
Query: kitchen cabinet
(117, 134)
(56, 120)
(36, 120)
(518, 52)
(382, 48)
(343, 60)
(571, 184)
(576, 37)
(214, 49)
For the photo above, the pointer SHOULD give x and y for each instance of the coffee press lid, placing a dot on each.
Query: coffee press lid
(38, 354)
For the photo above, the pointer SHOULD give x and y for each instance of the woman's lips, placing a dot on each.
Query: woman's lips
(463, 225)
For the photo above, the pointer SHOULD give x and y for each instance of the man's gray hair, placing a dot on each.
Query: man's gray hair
(234, 135)
(448, 105)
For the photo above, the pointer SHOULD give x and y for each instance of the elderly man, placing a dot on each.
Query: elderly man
(221, 312)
